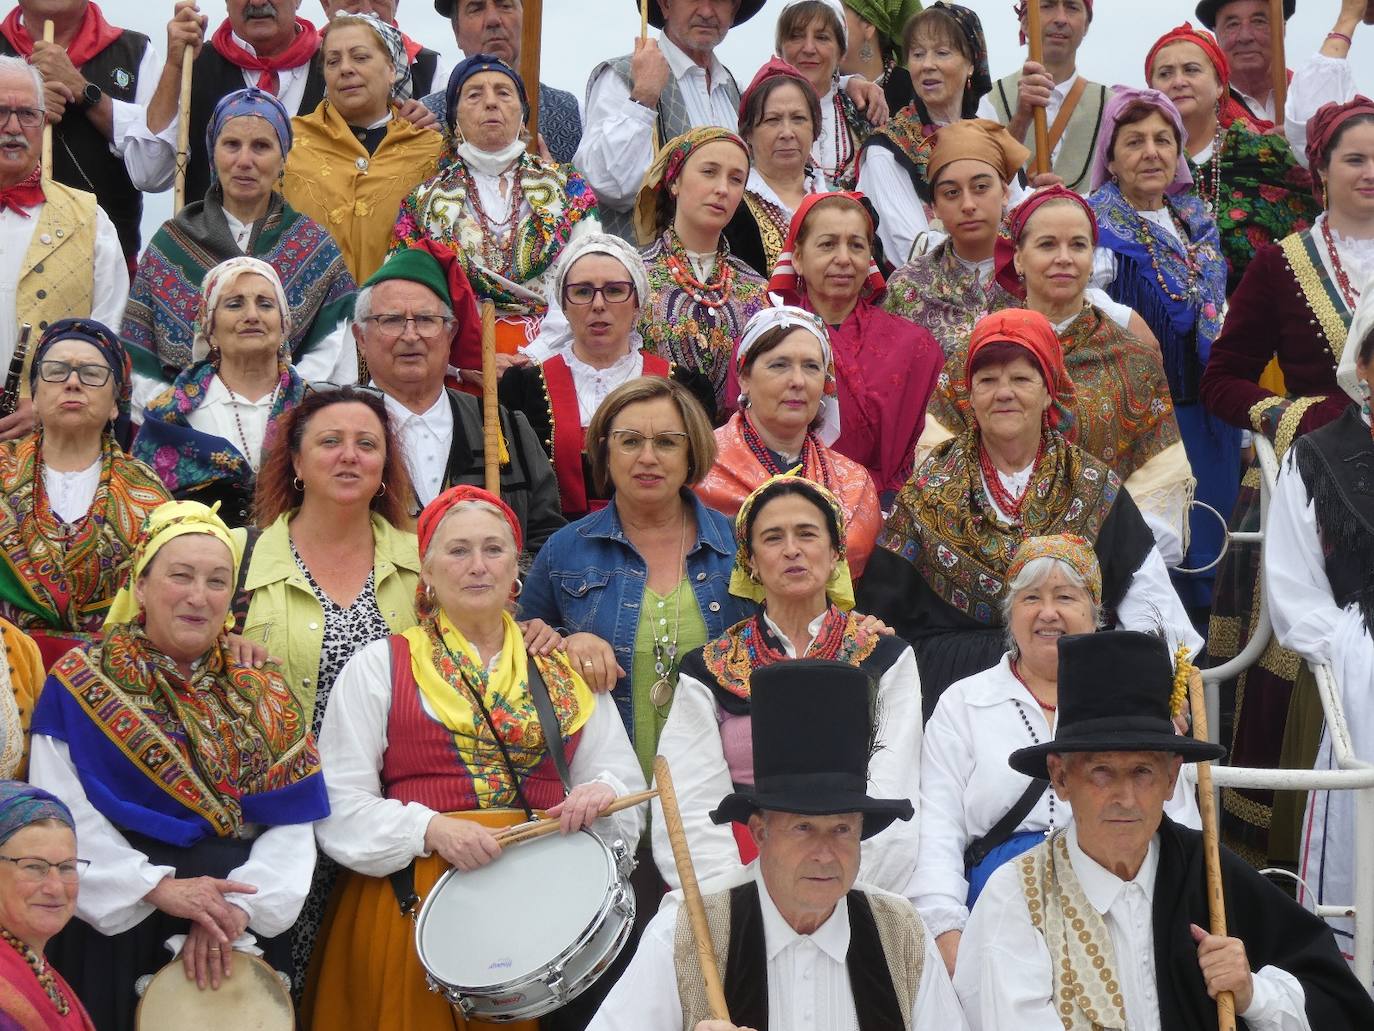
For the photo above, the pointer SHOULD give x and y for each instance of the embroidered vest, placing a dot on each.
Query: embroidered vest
(57, 278)
(1079, 142)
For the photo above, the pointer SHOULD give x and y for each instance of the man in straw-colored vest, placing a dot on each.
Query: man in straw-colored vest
(798, 944)
(1102, 925)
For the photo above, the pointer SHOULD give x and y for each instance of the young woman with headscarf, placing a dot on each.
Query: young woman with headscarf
(243, 213)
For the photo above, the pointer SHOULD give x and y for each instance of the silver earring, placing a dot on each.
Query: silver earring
(866, 51)
(519, 586)
(742, 402)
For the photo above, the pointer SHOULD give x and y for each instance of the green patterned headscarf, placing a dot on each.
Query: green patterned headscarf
(889, 17)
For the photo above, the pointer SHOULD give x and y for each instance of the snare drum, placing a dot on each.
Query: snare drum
(253, 999)
(528, 933)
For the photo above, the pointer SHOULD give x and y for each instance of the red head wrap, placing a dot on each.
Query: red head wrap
(1031, 330)
(1005, 247)
(785, 279)
(774, 69)
(435, 511)
(1231, 108)
(1322, 128)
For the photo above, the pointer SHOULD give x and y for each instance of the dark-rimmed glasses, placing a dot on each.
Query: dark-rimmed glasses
(617, 292)
(392, 324)
(29, 117)
(52, 370)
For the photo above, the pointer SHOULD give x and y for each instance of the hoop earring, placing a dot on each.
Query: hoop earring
(299, 484)
(518, 586)
(381, 491)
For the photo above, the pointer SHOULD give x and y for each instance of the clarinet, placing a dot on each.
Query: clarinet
(9, 400)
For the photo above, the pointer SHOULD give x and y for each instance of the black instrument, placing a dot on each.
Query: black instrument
(9, 400)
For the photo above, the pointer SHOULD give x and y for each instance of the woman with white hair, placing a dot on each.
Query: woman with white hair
(602, 287)
(976, 811)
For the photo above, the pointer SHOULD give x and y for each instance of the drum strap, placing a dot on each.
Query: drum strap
(548, 722)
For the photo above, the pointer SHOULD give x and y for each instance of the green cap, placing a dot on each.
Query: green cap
(418, 266)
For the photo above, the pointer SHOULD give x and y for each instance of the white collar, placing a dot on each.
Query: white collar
(682, 66)
(812, 629)
(380, 121)
(626, 365)
(438, 415)
(993, 686)
(832, 937)
(759, 187)
(1100, 885)
(1061, 89)
(235, 37)
(218, 392)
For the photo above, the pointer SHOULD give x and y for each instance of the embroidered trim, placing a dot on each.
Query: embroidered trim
(1288, 425)
(1316, 290)
(1258, 409)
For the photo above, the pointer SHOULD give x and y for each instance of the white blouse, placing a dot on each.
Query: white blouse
(70, 494)
(235, 418)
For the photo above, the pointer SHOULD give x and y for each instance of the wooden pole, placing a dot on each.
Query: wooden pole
(491, 418)
(531, 41)
(48, 31)
(1037, 54)
(643, 19)
(691, 892)
(1278, 66)
(1207, 803)
(188, 58)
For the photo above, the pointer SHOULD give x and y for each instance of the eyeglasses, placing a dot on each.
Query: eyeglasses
(54, 371)
(324, 386)
(665, 445)
(34, 870)
(29, 117)
(612, 293)
(393, 324)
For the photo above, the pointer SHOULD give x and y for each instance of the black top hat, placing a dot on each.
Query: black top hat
(1206, 10)
(747, 9)
(1114, 690)
(812, 725)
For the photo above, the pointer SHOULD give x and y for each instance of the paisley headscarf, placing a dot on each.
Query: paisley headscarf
(392, 41)
(219, 279)
(255, 103)
(1071, 549)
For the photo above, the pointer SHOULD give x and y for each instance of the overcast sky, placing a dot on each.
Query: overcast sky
(579, 33)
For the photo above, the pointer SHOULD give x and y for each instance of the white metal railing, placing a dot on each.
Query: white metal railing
(1351, 773)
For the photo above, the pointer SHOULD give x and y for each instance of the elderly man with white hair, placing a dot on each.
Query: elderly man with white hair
(59, 252)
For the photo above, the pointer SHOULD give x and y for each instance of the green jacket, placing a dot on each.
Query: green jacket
(286, 617)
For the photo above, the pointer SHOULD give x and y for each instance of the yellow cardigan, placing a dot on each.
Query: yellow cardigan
(331, 178)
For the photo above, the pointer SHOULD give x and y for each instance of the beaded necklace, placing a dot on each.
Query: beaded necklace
(762, 652)
(41, 971)
(810, 444)
(845, 152)
(1035, 739)
(1190, 261)
(1349, 293)
(494, 256)
(1001, 497)
(1211, 199)
(1038, 700)
(680, 269)
(238, 423)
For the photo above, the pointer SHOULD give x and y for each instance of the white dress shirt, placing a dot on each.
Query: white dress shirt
(1005, 976)
(808, 980)
(375, 835)
(70, 494)
(235, 418)
(967, 786)
(1263, 109)
(691, 743)
(617, 145)
(426, 440)
(1058, 92)
(1320, 80)
(110, 288)
(593, 384)
(280, 865)
(901, 215)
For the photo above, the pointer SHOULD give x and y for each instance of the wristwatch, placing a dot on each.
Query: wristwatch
(90, 96)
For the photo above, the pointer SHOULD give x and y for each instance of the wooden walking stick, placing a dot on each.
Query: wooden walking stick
(188, 58)
(48, 31)
(1037, 54)
(491, 416)
(643, 19)
(1278, 64)
(531, 39)
(691, 891)
(1207, 803)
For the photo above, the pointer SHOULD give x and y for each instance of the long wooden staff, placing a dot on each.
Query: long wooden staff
(1037, 54)
(1278, 63)
(691, 891)
(48, 31)
(491, 416)
(643, 19)
(1207, 803)
(531, 40)
(188, 57)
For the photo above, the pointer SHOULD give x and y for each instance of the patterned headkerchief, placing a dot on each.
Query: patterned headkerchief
(828, 431)
(839, 588)
(889, 17)
(219, 279)
(475, 65)
(1127, 96)
(23, 804)
(667, 166)
(1069, 548)
(104, 340)
(971, 26)
(392, 42)
(435, 511)
(248, 102)
(785, 279)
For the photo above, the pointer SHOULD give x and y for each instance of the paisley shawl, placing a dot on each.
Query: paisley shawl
(733, 657)
(938, 291)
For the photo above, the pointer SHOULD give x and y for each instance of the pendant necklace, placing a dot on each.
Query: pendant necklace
(665, 648)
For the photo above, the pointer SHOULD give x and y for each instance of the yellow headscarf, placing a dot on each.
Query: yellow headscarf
(168, 521)
(839, 588)
(666, 168)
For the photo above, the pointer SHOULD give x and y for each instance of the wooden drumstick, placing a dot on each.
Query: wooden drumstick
(691, 891)
(491, 418)
(1037, 54)
(188, 58)
(1207, 803)
(1278, 66)
(48, 31)
(524, 832)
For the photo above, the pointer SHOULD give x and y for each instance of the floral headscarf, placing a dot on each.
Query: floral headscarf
(1071, 549)
(666, 168)
(828, 431)
(839, 588)
(785, 279)
(249, 102)
(219, 279)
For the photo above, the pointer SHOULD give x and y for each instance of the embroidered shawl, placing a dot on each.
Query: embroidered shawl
(181, 760)
(557, 199)
(938, 291)
(56, 578)
(165, 297)
(909, 140)
(1123, 416)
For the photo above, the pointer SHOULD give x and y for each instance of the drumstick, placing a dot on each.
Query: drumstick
(1037, 54)
(188, 57)
(1278, 64)
(524, 832)
(1207, 803)
(491, 424)
(48, 31)
(691, 892)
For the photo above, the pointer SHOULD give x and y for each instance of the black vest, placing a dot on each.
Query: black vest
(81, 154)
(422, 73)
(214, 78)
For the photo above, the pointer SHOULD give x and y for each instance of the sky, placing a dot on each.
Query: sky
(580, 33)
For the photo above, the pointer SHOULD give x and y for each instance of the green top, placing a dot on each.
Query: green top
(673, 616)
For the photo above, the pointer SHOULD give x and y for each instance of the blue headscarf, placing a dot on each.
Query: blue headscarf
(474, 65)
(22, 804)
(104, 340)
(248, 101)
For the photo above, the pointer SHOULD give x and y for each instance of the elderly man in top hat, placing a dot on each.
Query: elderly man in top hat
(799, 946)
(1102, 925)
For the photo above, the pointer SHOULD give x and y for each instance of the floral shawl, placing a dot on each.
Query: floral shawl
(938, 291)
(558, 198)
(57, 578)
(1123, 416)
(908, 138)
(181, 760)
(188, 460)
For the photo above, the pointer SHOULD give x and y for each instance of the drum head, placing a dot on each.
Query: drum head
(253, 999)
(509, 919)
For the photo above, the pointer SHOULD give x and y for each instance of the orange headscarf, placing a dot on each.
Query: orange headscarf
(1032, 331)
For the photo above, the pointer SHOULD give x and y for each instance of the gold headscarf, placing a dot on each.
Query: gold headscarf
(978, 139)
(666, 168)
(1069, 548)
(839, 588)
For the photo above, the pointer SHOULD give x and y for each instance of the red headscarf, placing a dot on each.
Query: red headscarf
(1231, 108)
(93, 35)
(435, 511)
(774, 69)
(1322, 128)
(1031, 330)
(1005, 247)
(785, 279)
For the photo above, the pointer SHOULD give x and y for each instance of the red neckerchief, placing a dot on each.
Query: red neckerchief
(412, 48)
(94, 35)
(301, 50)
(24, 194)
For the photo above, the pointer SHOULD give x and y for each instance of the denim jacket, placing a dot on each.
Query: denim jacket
(588, 577)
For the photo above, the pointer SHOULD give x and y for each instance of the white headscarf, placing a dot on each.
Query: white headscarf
(834, 5)
(612, 247)
(827, 425)
(212, 288)
(1361, 325)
